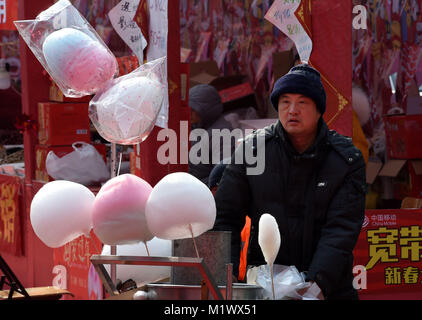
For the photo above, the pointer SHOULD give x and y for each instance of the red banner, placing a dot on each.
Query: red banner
(74, 271)
(10, 211)
(8, 14)
(390, 248)
(332, 56)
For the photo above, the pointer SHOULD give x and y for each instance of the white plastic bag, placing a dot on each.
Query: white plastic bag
(84, 165)
(289, 284)
(69, 49)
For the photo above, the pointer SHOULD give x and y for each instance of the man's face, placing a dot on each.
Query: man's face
(298, 114)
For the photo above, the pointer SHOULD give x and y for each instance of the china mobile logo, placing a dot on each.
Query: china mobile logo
(210, 148)
(365, 222)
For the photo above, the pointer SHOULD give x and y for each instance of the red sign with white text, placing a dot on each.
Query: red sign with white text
(390, 248)
(8, 14)
(10, 210)
(74, 270)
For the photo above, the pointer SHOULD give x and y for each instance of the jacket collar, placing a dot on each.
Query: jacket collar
(320, 140)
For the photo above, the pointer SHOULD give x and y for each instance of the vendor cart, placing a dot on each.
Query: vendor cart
(328, 25)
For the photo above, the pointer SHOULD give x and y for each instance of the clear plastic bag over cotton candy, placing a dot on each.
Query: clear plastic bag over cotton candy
(289, 284)
(69, 49)
(125, 111)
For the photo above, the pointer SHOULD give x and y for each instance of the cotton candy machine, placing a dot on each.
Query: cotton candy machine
(213, 246)
(239, 291)
(206, 278)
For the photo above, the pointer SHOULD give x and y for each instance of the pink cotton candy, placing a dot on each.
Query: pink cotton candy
(89, 68)
(78, 63)
(118, 214)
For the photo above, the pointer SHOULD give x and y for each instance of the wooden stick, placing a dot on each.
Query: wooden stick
(272, 281)
(120, 164)
(95, 246)
(194, 242)
(146, 247)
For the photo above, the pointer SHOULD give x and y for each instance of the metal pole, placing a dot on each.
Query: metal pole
(99, 260)
(113, 249)
(229, 281)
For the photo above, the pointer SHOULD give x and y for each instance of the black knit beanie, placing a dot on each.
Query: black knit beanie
(301, 79)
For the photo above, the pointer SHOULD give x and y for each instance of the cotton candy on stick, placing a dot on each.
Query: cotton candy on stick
(269, 241)
(126, 111)
(180, 206)
(61, 211)
(118, 214)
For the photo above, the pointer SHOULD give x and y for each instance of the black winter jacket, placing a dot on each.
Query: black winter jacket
(317, 198)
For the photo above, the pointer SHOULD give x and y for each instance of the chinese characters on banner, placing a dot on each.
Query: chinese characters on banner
(10, 210)
(282, 15)
(390, 248)
(8, 13)
(75, 270)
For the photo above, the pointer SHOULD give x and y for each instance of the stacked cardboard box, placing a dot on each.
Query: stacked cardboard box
(404, 150)
(62, 121)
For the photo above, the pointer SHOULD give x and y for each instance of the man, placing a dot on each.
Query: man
(206, 113)
(313, 184)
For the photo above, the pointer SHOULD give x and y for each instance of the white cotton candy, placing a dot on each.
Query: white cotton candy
(61, 211)
(126, 112)
(180, 206)
(269, 237)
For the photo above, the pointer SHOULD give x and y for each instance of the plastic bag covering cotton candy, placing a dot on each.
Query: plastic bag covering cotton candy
(142, 274)
(288, 282)
(81, 63)
(118, 215)
(126, 110)
(177, 203)
(84, 165)
(61, 212)
(69, 49)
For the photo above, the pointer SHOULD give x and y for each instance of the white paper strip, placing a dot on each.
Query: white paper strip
(121, 18)
(157, 48)
(281, 14)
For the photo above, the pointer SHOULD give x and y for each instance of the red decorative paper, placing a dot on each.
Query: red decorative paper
(390, 247)
(8, 14)
(10, 212)
(80, 276)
